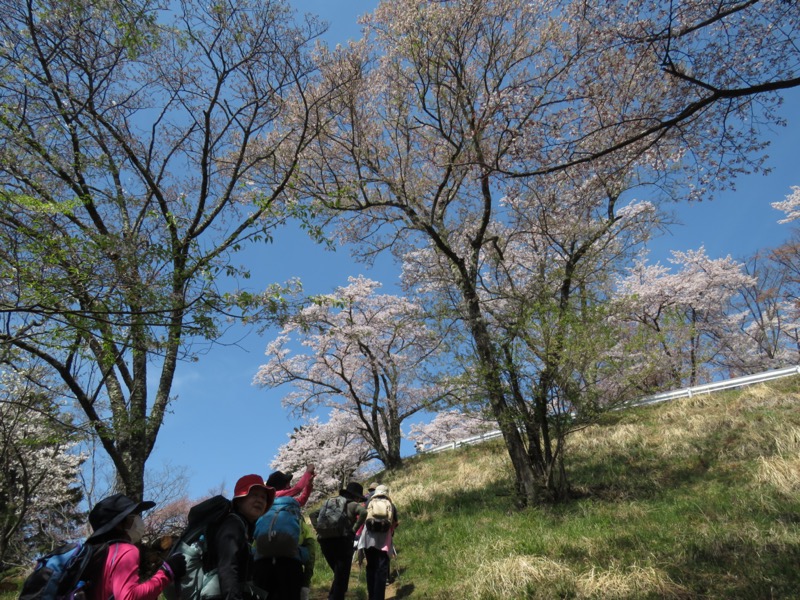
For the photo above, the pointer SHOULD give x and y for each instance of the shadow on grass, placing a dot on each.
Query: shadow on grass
(739, 568)
(405, 590)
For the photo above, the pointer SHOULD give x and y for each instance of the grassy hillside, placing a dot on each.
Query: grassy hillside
(697, 498)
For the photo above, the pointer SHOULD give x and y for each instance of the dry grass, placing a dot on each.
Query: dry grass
(628, 582)
(782, 471)
(451, 475)
(516, 577)
(534, 577)
(683, 427)
(597, 438)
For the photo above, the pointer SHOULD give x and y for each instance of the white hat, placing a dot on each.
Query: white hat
(381, 490)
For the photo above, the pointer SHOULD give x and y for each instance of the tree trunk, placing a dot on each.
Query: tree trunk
(527, 488)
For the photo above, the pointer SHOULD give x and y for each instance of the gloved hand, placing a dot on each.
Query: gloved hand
(177, 566)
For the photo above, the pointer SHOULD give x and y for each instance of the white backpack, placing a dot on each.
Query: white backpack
(380, 514)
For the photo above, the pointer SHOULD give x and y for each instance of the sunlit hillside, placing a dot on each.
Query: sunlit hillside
(697, 498)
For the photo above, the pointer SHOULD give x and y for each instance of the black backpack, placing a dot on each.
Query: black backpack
(65, 573)
(332, 520)
(196, 543)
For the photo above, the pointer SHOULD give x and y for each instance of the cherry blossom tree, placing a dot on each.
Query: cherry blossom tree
(336, 448)
(779, 290)
(691, 80)
(141, 145)
(691, 310)
(560, 106)
(790, 205)
(767, 333)
(367, 354)
(751, 322)
(476, 256)
(39, 485)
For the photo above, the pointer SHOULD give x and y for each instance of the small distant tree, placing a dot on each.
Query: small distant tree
(448, 426)
(336, 448)
(367, 355)
(40, 493)
(689, 311)
(766, 334)
(167, 519)
(168, 488)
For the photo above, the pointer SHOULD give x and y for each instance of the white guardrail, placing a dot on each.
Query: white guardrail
(706, 388)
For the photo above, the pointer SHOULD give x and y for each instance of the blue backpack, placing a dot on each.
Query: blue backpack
(277, 531)
(63, 573)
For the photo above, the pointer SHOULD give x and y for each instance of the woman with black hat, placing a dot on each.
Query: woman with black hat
(117, 522)
(338, 549)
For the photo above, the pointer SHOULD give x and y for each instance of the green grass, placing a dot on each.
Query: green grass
(697, 498)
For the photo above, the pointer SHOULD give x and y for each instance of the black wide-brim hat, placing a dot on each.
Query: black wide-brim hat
(111, 511)
(353, 491)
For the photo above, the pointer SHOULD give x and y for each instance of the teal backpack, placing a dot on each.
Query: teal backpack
(277, 531)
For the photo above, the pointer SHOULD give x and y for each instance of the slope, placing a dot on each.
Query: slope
(696, 498)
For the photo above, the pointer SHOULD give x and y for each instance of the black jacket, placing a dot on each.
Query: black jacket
(233, 540)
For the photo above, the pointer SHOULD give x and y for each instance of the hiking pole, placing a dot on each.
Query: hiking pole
(393, 558)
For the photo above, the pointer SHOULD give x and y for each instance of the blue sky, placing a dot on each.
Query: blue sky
(223, 427)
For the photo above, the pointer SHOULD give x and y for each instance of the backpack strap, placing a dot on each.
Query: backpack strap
(274, 518)
(114, 557)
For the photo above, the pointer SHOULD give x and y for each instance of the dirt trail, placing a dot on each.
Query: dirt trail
(391, 589)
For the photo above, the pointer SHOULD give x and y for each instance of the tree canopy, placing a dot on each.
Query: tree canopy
(494, 147)
(139, 148)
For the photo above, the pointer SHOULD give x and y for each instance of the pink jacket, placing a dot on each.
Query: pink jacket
(301, 490)
(121, 576)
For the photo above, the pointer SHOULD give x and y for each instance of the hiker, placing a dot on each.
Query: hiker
(336, 522)
(376, 541)
(278, 567)
(117, 521)
(302, 489)
(234, 538)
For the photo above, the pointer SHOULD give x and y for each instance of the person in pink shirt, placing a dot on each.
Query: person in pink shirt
(117, 523)
(300, 491)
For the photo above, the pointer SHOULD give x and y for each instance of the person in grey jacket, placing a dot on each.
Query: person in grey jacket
(338, 550)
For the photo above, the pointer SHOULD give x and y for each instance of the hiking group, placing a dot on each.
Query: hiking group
(257, 546)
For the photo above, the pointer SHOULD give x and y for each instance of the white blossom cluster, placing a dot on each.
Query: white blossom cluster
(40, 469)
